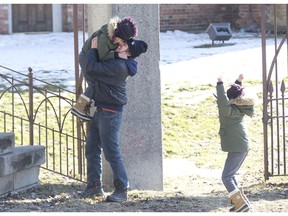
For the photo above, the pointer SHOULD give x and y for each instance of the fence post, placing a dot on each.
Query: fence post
(31, 131)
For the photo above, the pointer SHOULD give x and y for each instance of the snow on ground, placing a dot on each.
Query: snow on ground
(51, 55)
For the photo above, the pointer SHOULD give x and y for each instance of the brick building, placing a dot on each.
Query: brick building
(184, 17)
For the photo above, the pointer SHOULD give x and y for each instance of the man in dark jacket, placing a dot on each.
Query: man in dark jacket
(104, 129)
(233, 107)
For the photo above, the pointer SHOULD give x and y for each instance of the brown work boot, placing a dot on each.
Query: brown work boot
(94, 189)
(119, 195)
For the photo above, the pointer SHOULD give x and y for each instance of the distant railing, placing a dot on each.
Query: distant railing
(40, 115)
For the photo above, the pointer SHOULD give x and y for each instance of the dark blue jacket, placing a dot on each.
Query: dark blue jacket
(109, 80)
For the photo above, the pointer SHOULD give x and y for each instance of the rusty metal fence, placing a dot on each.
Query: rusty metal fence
(275, 99)
(40, 115)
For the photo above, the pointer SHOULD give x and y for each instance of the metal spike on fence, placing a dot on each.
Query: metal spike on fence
(283, 87)
(270, 88)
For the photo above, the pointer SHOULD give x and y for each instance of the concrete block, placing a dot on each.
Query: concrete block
(7, 143)
(6, 184)
(21, 158)
(19, 181)
(26, 178)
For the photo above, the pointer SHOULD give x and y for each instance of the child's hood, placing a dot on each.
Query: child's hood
(245, 105)
(112, 25)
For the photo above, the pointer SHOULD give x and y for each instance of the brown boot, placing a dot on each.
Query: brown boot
(238, 201)
(82, 108)
(245, 198)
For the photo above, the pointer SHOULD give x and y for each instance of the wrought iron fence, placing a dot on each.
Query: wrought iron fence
(277, 114)
(40, 115)
(275, 103)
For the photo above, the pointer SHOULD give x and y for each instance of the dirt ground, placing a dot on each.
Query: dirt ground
(186, 189)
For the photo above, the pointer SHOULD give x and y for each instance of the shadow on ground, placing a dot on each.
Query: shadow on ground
(63, 198)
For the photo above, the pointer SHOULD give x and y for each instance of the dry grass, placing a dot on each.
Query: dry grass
(191, 175)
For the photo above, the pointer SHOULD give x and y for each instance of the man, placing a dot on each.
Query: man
(104, 129)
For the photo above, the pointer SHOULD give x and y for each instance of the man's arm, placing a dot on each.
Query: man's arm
(99, 69)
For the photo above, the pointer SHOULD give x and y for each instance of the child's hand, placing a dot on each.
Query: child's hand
(240, 78)
(220, 79)
(94, 43)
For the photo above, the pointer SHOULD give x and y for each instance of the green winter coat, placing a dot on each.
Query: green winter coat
(233, 134)
(105, 36)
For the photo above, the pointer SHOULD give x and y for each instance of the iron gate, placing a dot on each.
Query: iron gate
(275, 100)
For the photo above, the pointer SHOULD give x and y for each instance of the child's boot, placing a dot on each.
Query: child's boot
(82, 107)
(245, 198)
(239, 202)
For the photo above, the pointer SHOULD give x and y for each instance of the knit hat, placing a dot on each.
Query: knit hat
(136, 47)
(235, 91)
(126, 29)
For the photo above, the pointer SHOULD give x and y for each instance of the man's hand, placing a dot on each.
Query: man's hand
(94, 43)
(220, 79)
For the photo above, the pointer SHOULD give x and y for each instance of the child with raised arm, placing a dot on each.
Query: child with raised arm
(233, 107)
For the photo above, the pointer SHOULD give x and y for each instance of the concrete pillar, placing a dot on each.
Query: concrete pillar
(141, 136)
(98, 15)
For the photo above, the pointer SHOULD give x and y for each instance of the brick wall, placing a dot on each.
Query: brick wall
(67, 17)
(190, 17)
(185, 17)
(249, 17)
(4, 19)
(281, 17)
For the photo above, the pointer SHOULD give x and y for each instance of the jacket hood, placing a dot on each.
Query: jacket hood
(132, 66)
(112, 25)
(245, 105)
(242, 101)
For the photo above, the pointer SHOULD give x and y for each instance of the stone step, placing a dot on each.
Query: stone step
(21, 158)
(7, 143)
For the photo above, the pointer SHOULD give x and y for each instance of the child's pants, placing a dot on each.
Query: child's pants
(233, 163)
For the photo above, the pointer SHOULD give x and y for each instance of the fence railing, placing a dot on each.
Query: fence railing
(39, 114)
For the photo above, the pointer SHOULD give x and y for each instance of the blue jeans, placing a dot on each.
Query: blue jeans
(104, 133)
(233, 163)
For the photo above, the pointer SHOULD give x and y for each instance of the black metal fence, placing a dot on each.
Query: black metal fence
(40, 115)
